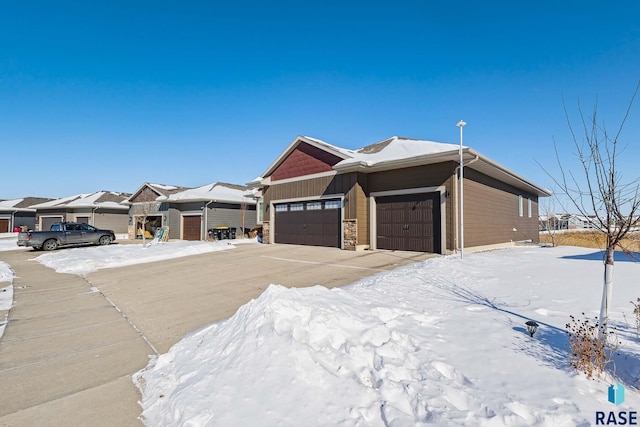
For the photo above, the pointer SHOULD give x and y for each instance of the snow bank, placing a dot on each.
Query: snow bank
(84, 260)
(441, 342)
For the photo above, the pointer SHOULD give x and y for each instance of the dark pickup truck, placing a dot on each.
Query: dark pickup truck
(65, 234)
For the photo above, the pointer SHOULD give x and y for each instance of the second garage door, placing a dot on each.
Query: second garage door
(191, 229)
(314, 223)
(409, 222)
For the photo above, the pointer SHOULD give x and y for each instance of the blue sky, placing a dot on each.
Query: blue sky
(106, 96)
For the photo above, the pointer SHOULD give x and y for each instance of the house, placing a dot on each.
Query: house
(102, 209)
(18, 213)
(399, 194)
(567, 222)
(191, 212)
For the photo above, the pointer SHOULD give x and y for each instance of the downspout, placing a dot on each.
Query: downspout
(12, 226)
(93, 216)
(206, 218)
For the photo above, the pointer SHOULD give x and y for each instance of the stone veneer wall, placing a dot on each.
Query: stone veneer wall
(266, 231)
(350, 239)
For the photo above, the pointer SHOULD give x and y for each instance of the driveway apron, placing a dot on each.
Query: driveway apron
(67, 355)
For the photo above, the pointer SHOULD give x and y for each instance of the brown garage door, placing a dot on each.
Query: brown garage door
(315, 223)
(409, 222)
(191, 227)
(4, 225)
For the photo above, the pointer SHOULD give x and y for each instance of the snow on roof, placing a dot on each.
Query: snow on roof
(218, 191)
(396, 148)
(99, 199)
(10, 204)
(346, 152)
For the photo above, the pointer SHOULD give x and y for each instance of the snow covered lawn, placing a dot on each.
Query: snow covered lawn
(441, 342)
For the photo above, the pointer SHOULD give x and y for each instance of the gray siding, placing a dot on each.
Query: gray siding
(174, 223)
(230, 215)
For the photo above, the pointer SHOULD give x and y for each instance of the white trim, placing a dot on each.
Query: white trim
(272, 213)
(268, 181)
(373, 240)
(182, 215)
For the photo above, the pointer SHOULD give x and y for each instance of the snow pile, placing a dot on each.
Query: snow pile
(84, 260)
(6, 274)
(441, 342)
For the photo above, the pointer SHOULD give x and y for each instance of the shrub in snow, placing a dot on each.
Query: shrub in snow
(587, 352)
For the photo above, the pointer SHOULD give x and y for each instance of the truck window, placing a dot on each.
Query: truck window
(56, 227)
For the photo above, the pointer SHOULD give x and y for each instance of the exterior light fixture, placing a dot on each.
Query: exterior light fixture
(532, 327)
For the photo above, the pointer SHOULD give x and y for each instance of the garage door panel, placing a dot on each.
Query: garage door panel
(191, 227)
(408, 222)
(314, 225)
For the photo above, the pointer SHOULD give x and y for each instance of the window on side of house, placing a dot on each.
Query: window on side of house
(529, 207)
(520, 206)
(259, 208)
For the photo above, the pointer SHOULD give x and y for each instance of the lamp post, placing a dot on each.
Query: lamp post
(461, 124)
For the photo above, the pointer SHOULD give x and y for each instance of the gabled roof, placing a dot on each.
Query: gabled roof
(162, 190)
(21, 205)
(217, 192)
(99, 199)
(400, 152)
(342, 153)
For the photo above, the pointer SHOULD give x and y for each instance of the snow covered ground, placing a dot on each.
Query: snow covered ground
(441, 342)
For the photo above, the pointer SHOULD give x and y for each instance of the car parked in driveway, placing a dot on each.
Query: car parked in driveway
(66, 234)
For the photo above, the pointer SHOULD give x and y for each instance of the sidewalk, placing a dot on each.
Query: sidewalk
(67, 354)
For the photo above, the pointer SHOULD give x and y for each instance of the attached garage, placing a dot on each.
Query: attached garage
(191, 227)
(313, 223)
(48, 221)
(409, 222)
(4, 225)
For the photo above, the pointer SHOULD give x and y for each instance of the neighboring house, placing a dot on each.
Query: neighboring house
(18, 213)
(567, 222)
(102, 209)
(399, 194)
(191, 212)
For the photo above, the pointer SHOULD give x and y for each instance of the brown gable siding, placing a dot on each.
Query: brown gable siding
(145, 195)
(491, 212)
(304, 160)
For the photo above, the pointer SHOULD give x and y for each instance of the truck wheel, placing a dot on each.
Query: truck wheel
(104, 240)
(50, 245)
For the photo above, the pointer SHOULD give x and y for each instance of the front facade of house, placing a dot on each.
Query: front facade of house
(18, 213)
(102, 209)
(190, 212)
(398, 194)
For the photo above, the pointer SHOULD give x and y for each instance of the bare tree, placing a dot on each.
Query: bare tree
(601, 193)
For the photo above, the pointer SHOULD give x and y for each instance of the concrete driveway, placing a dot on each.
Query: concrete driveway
(72, 344)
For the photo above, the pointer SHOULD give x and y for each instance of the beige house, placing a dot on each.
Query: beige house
(102, 209)
(398, 194)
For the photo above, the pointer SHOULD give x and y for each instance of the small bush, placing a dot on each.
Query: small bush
(636, 312)
(587, 353)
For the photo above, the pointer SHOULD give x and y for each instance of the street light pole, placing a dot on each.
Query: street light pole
(461, 124)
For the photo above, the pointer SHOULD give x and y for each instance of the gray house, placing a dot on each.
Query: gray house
(18, 213)
(102, 209)
(190, 213)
